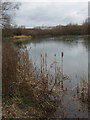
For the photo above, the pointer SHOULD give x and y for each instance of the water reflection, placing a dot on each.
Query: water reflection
(75, 65)
(75, 53)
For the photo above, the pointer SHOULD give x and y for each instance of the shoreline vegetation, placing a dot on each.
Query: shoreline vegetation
(24, 96)
(70, 29)
(25, 89)
(21, 38)
(22, 34)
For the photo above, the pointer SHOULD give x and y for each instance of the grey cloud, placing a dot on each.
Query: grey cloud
(49, 14)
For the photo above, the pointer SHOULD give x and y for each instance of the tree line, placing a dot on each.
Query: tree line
(70, 29)
(8, 29)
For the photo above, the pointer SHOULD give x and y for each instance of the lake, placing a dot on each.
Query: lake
(75, 49)
(75, 65)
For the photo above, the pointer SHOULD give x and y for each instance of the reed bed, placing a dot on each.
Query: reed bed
(54, 74)
(54, 80)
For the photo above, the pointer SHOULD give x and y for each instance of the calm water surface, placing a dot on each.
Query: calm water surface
(75, 65)
(75, 62)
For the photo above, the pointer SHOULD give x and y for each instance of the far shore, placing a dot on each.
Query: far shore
(25, 38)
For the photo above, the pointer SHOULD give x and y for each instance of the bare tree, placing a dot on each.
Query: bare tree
(7, 13)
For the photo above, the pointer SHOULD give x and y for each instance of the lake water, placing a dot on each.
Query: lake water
(75, 62)
(75, 49)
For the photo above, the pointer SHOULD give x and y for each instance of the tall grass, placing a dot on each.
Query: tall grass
(22, 90)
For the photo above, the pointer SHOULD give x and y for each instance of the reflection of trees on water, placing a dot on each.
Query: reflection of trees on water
(56, 77)
(67, 40)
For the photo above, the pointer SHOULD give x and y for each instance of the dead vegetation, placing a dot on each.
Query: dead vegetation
(23, 94)
(21, 38)
(29, 92)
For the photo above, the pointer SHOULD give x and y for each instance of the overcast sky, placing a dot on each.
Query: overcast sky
(32, 14)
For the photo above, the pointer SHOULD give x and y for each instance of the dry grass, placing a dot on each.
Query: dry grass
(24, 96)
(21, 38)
(9, 62)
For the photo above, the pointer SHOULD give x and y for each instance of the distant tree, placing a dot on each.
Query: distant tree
(85, 27)
(22, 26)
(7, 13)
(17, 31)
